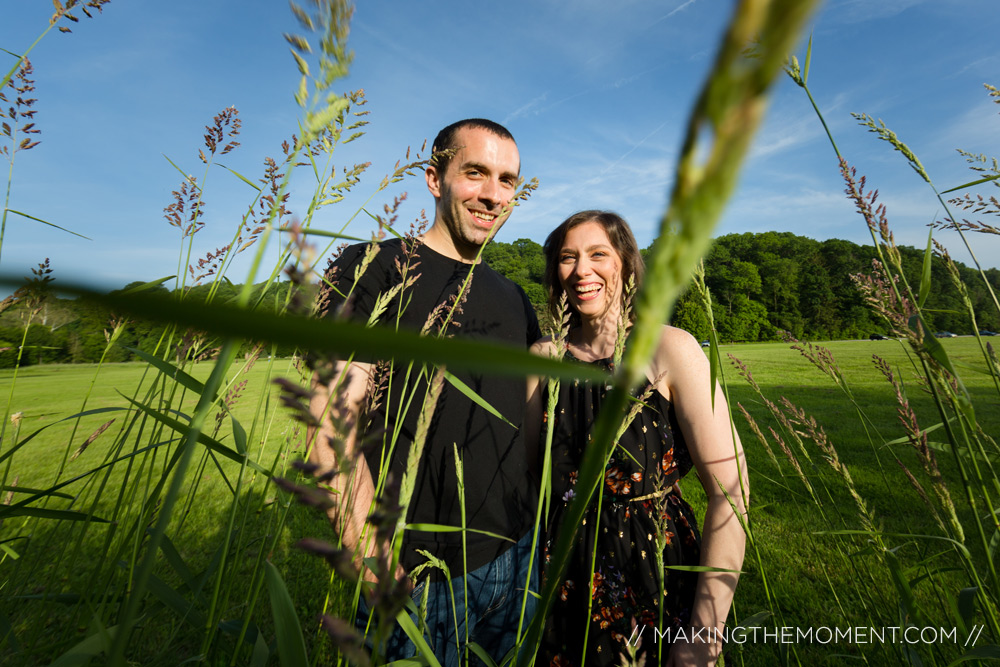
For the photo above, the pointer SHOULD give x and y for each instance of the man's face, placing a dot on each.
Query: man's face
(478, 182)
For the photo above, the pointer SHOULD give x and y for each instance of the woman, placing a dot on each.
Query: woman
(638, 514)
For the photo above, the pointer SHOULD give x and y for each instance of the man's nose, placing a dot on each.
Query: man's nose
(490, 192)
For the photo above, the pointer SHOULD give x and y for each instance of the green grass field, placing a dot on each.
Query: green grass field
(816, 579)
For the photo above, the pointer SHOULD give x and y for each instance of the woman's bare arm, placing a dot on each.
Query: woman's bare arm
(718, 457)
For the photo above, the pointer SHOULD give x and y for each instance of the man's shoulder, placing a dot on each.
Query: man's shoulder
(501, 279)
(353, 253)
(378, 256)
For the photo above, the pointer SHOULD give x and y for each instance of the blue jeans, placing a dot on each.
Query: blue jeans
(496, 593)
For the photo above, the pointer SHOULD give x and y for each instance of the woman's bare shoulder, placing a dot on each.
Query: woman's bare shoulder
(544, 347)
(677, 343)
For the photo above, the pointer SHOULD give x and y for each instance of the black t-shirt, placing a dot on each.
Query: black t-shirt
(499, 497)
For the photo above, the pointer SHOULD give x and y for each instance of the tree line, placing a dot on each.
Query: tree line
(761, 284)
(78, 330)
(766, 283)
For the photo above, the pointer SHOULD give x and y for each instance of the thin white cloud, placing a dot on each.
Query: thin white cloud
(678, 9)
(977, 130)
(532, 107)
(860, 11)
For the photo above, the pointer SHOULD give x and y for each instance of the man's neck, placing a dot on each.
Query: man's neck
(438, 239)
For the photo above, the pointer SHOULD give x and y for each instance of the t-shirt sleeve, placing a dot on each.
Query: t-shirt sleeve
(534, 331)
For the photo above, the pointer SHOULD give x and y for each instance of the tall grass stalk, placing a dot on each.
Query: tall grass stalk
(888, 292)
(149, 465)
(729, 108)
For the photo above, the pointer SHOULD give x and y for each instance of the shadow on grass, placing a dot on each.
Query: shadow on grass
(818, 579)
(65, 587)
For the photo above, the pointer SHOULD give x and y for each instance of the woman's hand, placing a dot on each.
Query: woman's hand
(694, 653)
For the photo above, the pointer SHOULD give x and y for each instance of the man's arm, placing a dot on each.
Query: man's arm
(351, 488)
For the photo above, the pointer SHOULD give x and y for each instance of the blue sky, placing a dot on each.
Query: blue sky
(596, 93)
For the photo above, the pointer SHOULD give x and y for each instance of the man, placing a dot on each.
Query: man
(472, 185)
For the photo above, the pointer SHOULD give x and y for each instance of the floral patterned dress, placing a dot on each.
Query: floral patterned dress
(641, 514)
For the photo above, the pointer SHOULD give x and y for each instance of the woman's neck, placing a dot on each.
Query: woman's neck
(596, 337)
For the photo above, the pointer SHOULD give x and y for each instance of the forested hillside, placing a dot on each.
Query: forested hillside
(75, 331)
(760, 284)
(763, 283)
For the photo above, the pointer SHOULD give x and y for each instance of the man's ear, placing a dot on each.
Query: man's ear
(433, 182)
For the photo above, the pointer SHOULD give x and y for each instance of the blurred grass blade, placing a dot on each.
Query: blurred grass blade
(729, 109)
(330, 235)
(172, 599)
(45, 513)
(701, 568)
(86, 413)
(287, 631)
(83, 653)
(756, 620)
(175, 560)
(936, 350)
(341, 337)
(7, 635)
(240, 176)
(423, 650)
(905, 439)
(260, 652)
(441, 528)
(152, 284)
(967, 605)
(44, 222)
(907, 601)
(925, 273)
(203, 438)
(239, 436)
(971, 184)
(482, 654)
(26, 489)
(809, 55)
(181, 171)
(991, 652)
(475, 398)
(168, 369)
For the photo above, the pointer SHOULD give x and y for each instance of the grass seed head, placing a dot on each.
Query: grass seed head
(19, 111)
(63, 11)
(346, 639)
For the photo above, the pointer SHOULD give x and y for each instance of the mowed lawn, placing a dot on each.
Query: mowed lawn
(815, 578)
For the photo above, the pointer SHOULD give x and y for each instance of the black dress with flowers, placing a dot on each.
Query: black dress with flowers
(641, 513)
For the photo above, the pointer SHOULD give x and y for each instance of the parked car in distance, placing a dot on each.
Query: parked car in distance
(987, 332)
(878, 337)
(945, 334)
(705, 343)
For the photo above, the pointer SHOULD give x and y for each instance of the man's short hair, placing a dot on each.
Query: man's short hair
(446, 137)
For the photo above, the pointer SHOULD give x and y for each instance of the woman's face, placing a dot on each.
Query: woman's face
(590, 271)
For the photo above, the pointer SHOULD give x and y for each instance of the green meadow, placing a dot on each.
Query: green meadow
(816, 577)
(151, 512)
